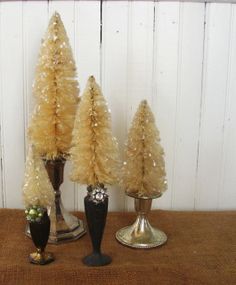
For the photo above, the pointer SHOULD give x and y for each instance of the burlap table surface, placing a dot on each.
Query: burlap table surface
(201, 249)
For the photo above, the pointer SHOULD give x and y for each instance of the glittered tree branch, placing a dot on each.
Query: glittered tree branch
(144, 167)
(94, 151)
(56, 91)
(37, 188)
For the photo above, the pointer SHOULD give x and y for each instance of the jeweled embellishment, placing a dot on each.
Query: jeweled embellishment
(98, 195)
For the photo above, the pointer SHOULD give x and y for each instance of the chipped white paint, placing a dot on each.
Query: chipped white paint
(180, 56)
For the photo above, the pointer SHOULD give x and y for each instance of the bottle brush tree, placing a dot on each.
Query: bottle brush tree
(143, 173)
(94, 151)
(56, 91)
(37, 189)
(94, 155)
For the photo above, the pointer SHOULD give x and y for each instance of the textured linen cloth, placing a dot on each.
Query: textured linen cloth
(201, 249)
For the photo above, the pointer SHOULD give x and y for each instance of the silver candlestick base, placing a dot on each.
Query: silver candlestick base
(141, 234)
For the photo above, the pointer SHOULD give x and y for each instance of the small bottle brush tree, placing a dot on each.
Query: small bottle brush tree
(144, 167)
(94, 151)
(38, 192)
(94, 156)
(56, 91)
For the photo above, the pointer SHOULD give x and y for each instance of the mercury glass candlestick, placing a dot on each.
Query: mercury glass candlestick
(141, 234)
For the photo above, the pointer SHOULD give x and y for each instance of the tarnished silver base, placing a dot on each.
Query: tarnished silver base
(61, 236)
(64, 226)
(141, 234)
(74, 234)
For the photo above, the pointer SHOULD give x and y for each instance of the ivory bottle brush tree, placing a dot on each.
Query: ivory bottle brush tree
(94, 151)
(56, 91)
(94, 155)
(144, 168)
(50, 131)
(144, 178)
(37, 188)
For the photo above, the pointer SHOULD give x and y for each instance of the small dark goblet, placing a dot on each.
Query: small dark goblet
(40, 234)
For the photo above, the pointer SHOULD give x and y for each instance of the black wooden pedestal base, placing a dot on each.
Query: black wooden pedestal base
(97, 259)
(96, 213)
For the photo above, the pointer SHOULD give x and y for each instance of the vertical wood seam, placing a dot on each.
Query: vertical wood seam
(24, 75)
(101, 45)
(154, 53)
(128, 111)
(178, 94)
(202, 98)
(226, 107)
(125, 204)
(75, 16)
(48, 7)
(2, 169)
(155, 49)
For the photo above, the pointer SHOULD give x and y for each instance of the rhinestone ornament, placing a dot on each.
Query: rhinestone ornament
(98, 195)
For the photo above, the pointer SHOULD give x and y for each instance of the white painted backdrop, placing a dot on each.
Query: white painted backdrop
(181, 57)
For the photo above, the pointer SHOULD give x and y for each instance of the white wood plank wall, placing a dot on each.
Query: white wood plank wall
(180, 56)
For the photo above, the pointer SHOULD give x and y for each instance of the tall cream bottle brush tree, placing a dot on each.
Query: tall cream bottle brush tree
(56, 91)
(94, 155)
(50, 131)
